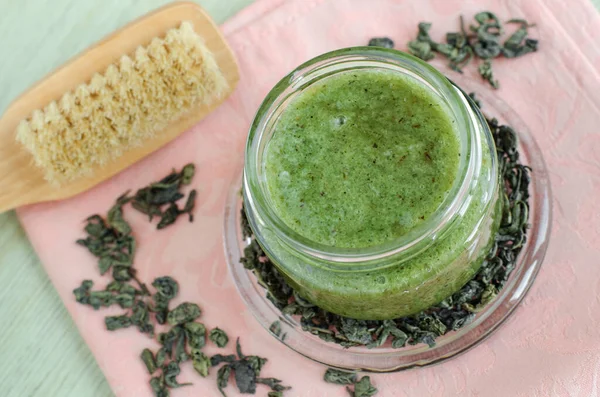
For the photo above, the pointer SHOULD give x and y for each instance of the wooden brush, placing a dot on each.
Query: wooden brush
(114, 104)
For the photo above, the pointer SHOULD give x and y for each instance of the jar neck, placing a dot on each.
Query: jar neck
(469, 126)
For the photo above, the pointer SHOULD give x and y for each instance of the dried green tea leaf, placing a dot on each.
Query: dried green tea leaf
(123, 288)
(256, 363)
(218, 337)
(167, 289)
(179, 352)
(274, 384)
(161, 357)
(168, 217)
(423, 34)
(124, 300)
(423, 46)
(173, 178)
(82, 293)
(363, 388)
(148, 359)
(356, 331)
(421, 49)
(140, 317)
(487, 49)
(245, 377)
(399, 338)
(431, 324)
(275, 328)
(170, 373)
(97, 299)
(485, 70)
(160, 308)
(201, 362)
(515, 40)
(166, 286)
(387, 328)
(169, 339)
(196, 334)
(187, 173)
(96, 227)
(339, 377)
(399, 342)
(117, 322)
(189, 205)
(446, 49)
(147, 208)
(416, 334)
(487, 17)
(245, 224)
(384, 42)
(122, 273)
(109, 242)
(151, 199)
(521, 21)
(219, 358)
(158, 387)
(518, 44)
(488, 295)
(238, 349)
(104, 264)
(489, 26)
(159, 194)
(183, 313)
(223, 378)
(115, 218)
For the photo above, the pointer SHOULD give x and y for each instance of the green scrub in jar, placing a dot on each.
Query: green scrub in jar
(366, 158)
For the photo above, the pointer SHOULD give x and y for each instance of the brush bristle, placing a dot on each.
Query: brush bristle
(133, 100)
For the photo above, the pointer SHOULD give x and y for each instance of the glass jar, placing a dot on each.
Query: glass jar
(413, 272)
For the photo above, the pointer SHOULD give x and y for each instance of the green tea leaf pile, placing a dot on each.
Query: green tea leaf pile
(482, 41)
(356, 387)
(110, 239)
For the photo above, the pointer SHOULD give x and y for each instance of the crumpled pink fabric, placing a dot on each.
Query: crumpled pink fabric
(549, 347)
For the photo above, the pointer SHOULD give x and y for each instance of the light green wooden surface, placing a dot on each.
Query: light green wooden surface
(41, 352)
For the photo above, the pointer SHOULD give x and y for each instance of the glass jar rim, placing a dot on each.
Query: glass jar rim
(420, 237)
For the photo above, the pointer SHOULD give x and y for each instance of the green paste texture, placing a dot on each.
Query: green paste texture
(361, 158)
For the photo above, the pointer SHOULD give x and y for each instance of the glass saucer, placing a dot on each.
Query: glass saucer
(387, 359)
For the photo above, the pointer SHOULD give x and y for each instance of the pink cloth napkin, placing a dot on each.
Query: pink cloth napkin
(549, 347)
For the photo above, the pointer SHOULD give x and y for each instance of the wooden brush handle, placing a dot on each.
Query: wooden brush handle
(21, 182)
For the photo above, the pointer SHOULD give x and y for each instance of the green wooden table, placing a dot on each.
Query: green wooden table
(41, 352)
